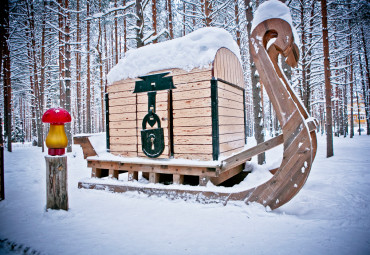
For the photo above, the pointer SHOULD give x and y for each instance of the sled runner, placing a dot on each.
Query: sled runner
(160, 127)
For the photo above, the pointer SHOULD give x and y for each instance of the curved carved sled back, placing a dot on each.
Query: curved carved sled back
(299, 139)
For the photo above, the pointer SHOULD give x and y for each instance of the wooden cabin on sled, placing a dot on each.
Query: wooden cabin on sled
(193, 111)
(176, 114)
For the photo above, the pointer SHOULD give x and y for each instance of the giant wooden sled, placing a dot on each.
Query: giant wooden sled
(206, 127)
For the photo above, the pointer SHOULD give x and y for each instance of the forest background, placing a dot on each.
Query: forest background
(59, 52)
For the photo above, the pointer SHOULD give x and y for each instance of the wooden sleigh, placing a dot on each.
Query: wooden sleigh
(298, 138)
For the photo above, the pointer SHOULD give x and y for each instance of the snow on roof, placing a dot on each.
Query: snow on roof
(274, 9)
(195, 50)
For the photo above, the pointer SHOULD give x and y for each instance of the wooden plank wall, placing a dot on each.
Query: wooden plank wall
(192, 125)
(227, 67)
(192, 113)
(231, 119)
(122, 118)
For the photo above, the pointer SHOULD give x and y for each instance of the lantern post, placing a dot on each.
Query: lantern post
(56, 160)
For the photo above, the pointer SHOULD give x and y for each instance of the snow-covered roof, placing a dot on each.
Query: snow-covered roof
(195, 50)
(274, 9)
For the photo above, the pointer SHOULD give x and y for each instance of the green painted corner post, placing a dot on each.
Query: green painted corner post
(56, 182)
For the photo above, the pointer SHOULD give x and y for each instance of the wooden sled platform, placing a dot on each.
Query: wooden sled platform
(213, 171)
(298, 138)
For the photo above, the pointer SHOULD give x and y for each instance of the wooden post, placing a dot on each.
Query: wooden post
(56, 182)
(133, 175)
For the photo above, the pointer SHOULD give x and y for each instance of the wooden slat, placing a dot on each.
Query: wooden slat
(194, 149)
(225, 120)
(124, 153)
(230, 129)
(162, 96)
(121, 94)
(87, 148)
(192, 112)
(229, 103)
(199, 140)
(227, 174)
(114, 132)
(192, 103)
(198, 156)
(202, 75)
(230, 95)
(120, 109)
(224, 147)
(192, 122)
(123, 116)
(191, 94)
(123, 85)
(206, 131)
(231, 137)
(123, 140)
(231, 152)
(122, 101)
(122, 124)
(193, 86)
(224, 111)
(245, 155)
(123, 147)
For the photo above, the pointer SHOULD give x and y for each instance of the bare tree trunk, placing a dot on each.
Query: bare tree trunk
(154, 17)
(329, 121)
(139, 24)
(61, 54)
(78, 68)
(36, 90)
(358, 112)
(207, 12)
(124, 29)
(345, 105)
(305, 87)
(170, 25)
(5, 64)
(237, 23)
(256, 91)
(68, 75)
(184, 18)
(98, 49)
(115, 33)
(88, 93)
(42, 73)
(367, 96)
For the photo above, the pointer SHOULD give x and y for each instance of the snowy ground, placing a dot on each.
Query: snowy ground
(329, 216)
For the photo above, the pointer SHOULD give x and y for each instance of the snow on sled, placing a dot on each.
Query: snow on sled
(176, 114)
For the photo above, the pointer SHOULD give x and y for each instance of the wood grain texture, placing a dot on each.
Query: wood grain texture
(298, 149)
(56, 182)
(226, 66)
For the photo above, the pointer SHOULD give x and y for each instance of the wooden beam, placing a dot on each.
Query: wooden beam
(243, 156)
(154, 177)
(227, 174)
(150, 168)
(87, 148)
